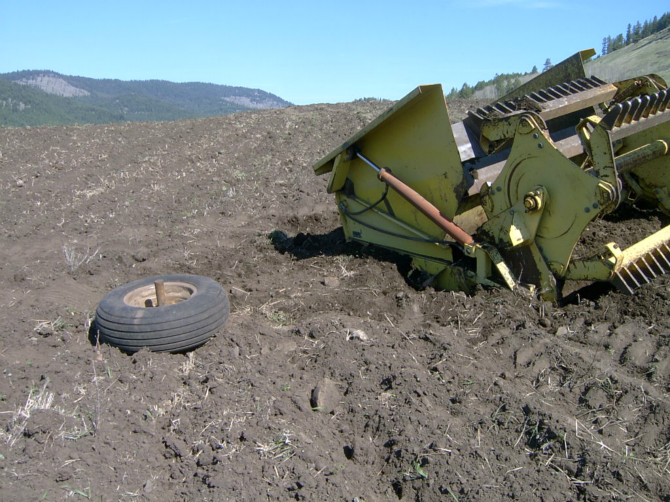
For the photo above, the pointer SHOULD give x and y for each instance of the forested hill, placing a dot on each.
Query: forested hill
(37, 97)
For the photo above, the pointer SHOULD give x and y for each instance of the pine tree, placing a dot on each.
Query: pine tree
(637, 32)
(617, 43)
(607, 42)
(466, 91)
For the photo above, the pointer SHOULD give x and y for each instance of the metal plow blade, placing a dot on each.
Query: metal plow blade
(643, 262)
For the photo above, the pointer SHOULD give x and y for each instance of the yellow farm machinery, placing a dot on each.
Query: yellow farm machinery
(504, 196)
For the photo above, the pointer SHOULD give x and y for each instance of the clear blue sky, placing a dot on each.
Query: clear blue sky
(308, 51)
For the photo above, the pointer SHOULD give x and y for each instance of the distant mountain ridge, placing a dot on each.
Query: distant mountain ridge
(44, 97)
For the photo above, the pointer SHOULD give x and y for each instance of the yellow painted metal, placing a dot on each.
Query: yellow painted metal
(637, 86)
(599, 267)
(626, 268)
(598, 147)
(536, 199)
(646, 165)
(376, 226)
(488, 263)
(415, 141)
(573, 198)
(645, 246)
(641, 155)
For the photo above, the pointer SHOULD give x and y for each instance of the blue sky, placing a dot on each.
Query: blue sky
(308, 51)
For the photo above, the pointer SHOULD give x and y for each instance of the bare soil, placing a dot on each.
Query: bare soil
(335, 378)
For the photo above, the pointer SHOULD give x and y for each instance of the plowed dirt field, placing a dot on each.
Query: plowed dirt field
(334, 377)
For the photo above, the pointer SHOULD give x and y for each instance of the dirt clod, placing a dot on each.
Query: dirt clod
(325, 396)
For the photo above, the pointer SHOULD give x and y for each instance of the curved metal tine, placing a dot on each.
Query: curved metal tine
(656, 262)
(649, 109)
(622, 284)
(666, 101)
(631, 276)
(657, 102)
(625, 106)
(630, 113)
(610, 119)
(644, 102)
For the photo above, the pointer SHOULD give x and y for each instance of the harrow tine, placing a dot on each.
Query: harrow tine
(658, 265)
(621, 284)
(665, 258)
(642, 268)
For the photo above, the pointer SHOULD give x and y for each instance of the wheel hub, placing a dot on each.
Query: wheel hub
(146, 296)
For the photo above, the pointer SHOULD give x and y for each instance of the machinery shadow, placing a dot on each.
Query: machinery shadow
(303, 246)
(592, 292)
(306, 245)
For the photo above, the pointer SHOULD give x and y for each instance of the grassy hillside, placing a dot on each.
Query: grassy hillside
(649, 55)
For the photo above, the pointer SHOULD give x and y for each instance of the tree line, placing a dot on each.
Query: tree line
(507, 82)
(635, 33)
(503, 83)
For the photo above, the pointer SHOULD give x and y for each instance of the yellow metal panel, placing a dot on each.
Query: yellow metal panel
(326, 164)
(339, 173)
(417, 144)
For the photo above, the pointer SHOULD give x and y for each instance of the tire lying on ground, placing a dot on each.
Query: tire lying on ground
(129, 317)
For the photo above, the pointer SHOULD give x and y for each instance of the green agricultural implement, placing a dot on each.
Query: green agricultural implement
(503, 197)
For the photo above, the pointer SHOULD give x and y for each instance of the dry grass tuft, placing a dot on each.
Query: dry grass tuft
(37, 400)
(75, 259)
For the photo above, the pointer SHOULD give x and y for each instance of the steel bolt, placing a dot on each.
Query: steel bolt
(532, 202)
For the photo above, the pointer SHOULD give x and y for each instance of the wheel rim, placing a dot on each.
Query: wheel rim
(145, 296)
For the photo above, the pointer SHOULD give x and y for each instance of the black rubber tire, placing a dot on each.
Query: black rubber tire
(169, 328)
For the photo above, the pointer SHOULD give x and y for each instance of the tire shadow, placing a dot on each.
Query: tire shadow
(94, 333)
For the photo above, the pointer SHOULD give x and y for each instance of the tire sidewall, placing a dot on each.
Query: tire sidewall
(174, 328)
(113, 303)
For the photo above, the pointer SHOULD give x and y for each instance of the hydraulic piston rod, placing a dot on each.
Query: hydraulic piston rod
(418, 201)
